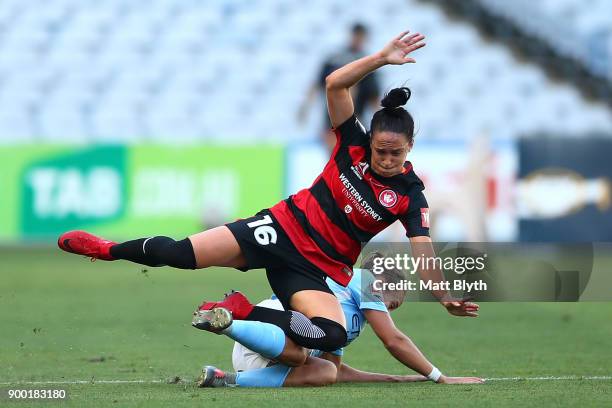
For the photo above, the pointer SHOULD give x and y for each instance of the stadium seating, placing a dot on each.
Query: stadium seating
(236, 71)
(580, 28)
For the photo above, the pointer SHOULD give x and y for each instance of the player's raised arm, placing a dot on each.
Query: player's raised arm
(338, 83)
(405, 351)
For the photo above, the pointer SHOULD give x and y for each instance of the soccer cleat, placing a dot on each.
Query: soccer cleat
(235, 302)
(84, 243)
(213, 320)
(214, 377)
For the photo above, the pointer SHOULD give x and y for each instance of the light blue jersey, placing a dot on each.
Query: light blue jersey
(356, 297)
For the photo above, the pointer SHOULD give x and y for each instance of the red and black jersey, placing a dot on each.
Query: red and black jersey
(348, 204)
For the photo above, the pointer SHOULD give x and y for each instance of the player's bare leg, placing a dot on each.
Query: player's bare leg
(293, 355)
(315, 372)
(217, 247)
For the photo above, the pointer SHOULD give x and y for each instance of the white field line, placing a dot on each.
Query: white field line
(94, 381)
(569, 377)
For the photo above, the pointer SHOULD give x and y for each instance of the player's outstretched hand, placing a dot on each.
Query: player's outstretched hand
(460, 380)
(461, 308)
(397, 51)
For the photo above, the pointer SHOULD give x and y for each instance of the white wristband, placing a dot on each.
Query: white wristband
(435, 374)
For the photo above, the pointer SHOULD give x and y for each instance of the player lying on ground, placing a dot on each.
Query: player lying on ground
(264, 357)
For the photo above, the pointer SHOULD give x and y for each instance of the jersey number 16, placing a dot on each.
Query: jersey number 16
(264, 233)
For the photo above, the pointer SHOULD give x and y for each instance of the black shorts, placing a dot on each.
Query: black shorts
(265, 244)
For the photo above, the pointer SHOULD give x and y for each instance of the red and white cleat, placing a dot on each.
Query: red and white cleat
(235, 302)
(84, 243)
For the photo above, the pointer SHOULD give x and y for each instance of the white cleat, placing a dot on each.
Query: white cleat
(213, 320)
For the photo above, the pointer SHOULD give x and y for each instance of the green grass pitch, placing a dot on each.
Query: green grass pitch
(64, 318)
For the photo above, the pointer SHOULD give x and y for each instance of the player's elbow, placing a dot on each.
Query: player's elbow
(331, 83)
(395, 343)
(392, 346)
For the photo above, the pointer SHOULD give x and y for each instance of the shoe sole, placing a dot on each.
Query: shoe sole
(214, 320)
(203, 378)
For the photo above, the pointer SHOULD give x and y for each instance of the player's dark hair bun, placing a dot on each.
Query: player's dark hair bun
(396, 97)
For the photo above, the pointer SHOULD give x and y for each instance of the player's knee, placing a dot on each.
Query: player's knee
(335, 334)
(329, 373)
(324, 372)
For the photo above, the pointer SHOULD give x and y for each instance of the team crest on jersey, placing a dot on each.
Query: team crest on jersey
(425, 217)
(387, 198)
(348, 209)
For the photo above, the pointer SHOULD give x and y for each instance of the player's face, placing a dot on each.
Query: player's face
(389, 150)
(358, 41)
(394, 299)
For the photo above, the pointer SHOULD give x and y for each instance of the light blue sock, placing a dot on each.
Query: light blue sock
(263, 338)
(263, 377)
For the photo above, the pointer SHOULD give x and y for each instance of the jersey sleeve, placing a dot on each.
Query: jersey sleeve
(416, 219)
(351, 132)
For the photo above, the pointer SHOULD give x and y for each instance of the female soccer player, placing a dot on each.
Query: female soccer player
(318, 232)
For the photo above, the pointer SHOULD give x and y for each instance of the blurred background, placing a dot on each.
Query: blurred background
(135, 118)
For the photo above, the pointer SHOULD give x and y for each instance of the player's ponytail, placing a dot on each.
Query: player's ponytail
(396, 97)
(393, 117)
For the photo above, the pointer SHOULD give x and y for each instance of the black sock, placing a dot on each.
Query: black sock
(157, 251)
(317, 333)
